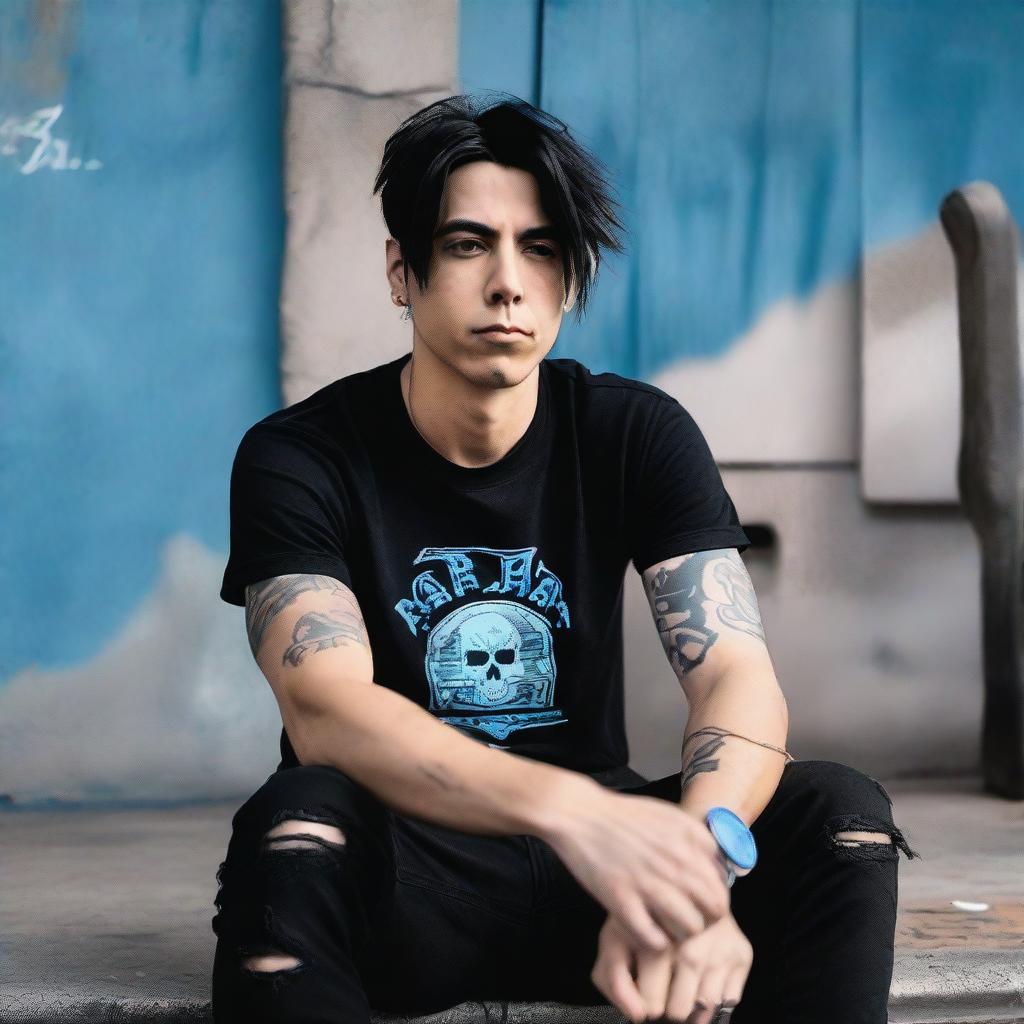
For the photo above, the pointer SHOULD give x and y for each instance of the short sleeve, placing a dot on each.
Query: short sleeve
(678, 503)
(285, 511)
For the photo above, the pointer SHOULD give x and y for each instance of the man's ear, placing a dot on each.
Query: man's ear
(397, 273)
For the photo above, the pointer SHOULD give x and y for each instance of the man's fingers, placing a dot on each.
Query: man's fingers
(677, 915)
(682, 992)
(653, 976)
(735, 982)
(613, 975)
(643, 929)
(709, 891)
(709, 991)
(624, 993)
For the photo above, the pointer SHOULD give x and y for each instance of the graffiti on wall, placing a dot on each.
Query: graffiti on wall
(18, 134)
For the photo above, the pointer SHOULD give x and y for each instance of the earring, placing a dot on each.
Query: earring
(407, 315)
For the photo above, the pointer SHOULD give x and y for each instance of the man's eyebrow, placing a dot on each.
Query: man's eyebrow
(547, 231)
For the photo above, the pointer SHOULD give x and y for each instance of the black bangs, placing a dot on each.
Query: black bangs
(458, 130)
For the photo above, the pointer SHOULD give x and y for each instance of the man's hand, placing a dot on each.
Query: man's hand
(653, 866)
(686, 982)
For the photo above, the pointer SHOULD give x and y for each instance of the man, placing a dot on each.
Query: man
(431, 556)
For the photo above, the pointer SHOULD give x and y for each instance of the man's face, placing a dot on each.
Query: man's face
(477, 279)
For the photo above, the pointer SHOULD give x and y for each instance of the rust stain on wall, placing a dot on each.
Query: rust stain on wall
(44, 69)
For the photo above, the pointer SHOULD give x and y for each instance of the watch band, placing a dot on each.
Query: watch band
(730, 873)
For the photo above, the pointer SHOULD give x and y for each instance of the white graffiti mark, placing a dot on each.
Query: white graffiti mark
(49, 151)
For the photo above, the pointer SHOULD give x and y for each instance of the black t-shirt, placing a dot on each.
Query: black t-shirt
(492, 596)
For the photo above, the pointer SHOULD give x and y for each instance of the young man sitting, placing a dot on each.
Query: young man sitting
(431, 554)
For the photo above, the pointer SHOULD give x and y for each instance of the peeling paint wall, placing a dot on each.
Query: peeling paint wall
(780, 170)
(140, 255)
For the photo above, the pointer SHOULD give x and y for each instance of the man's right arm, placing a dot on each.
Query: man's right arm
(309, 639)
(634, 854)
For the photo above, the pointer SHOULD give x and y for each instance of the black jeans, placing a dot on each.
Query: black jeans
(413, 917)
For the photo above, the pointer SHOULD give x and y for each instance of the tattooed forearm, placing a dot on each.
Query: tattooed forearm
(702, 759)
(678, 595)
(268, 598)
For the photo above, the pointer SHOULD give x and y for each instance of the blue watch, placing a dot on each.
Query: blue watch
(735, 840)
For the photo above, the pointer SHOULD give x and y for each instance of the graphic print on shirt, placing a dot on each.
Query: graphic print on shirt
(492, 658)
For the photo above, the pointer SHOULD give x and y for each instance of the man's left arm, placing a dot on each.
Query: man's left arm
(707, 616)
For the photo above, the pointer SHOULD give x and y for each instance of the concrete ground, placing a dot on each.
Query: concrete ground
(105, 915)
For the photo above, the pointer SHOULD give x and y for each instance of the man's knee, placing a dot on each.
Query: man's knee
(296, 834)
(856, 838)
(855, 806)
(268, 962)
(293, 834)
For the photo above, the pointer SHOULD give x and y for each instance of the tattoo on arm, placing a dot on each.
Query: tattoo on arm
(314, 631)
(678, 597)
(703, 759)
(742, 611)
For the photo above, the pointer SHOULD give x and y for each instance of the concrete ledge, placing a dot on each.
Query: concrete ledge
(106, 916)
(962, 986)
(992, 998)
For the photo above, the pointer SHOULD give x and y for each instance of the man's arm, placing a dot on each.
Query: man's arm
(707, 616)
(309, 639)
(645, 861)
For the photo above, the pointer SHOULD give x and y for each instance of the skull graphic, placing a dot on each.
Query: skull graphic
(490, 655)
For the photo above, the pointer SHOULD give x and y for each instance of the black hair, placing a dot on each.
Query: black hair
(457, 130)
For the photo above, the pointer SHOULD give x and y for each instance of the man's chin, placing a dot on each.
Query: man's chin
(493, 367)
(492, 373)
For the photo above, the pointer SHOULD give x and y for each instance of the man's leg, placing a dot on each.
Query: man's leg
(364, 909)
(293, 835)
(819, 908)
(458, 926)
(308, 862)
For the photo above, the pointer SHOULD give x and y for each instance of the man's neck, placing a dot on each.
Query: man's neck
(468, 425)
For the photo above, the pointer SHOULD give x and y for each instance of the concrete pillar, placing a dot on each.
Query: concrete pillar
(354, 70)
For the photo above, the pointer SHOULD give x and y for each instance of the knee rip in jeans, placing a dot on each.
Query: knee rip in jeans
(304, 834)
(855, 836)
(292, 834)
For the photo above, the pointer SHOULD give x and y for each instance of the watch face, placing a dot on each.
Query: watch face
(733, 836)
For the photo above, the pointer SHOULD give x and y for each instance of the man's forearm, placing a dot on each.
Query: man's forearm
(427, 769)
(723, 770)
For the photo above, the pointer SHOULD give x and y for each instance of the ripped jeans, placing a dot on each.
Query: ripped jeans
(411, 917)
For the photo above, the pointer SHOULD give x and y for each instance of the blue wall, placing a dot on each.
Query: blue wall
(139, 268)
(141, 249)
(943, 86)
(759, 147)
(760, 150)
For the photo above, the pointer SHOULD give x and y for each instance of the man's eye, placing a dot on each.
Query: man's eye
(544, 250)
